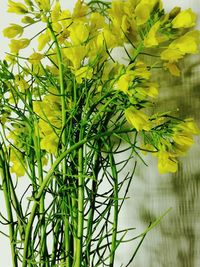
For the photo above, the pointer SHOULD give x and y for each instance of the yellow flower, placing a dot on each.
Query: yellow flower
(173, 68)
(97, 21)
(189, 126)
(49, 112)
(166, 162)
(83, 73)
(13, 30)
(75, 54)
(120, 23)
(144, 9)
(29, 3)
(21, 83)
(138, 119)
(141, 70)
(17, 163)
(125, 82)
(152, 90)
(151, 39)
(43, 4)
(171, 55)
(80, 11)
(50, 143)
(27, 20)
(184, 19)
(65, 18)
(35, 58)
(188, 43)
(78, 33)
(43, 39)
(106, 40)
(16, 45)
(183, 135)
(183, 139)
(55, 14)
(17, 8)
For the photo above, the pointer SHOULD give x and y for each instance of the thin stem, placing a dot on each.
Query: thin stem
(43, 245)
(63, 138)
(116, 204)
(44, 184)
(79, 237)
(7, 196)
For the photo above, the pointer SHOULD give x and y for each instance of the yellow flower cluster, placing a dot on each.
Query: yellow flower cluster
(85, 40)
(173, 145)
(20, 139)
(49, 112)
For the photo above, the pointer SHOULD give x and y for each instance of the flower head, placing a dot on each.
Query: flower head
(16, 45)
(13, 31)
(166, 162)
(138, 119)
(16, 7)
(184, 19)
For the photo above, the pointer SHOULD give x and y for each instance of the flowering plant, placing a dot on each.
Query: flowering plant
(66, 110)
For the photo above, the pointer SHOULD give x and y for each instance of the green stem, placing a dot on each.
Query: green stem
(64, 142)
(44, 184)
(43, 245)
(116, 205)
(79, 237)
(7, 196)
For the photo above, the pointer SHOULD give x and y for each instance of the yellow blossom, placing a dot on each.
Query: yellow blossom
(188, 126)
(166, 162)
(97, 21)
(106, 39)
(138, 119)
(21, 83)
(49, 112)
(27, 20)
(75, 54)
(141, 70)
(80, 11)
(29, 3)
(171, 55)
(183, 135)
(43, 4)
(16, 7)
(43, 39)
(78, 33)
(18, 163)
(173, 68)
(144, 9)
(65, 18)
(120, 23)
(124, 82)
(55, 14)
(188, 43)
(16, 45)
(183, 139)
(13, 31)
(49, 143)
(152, 90)
(83, 73)
(184, 19)
(151, 38)
(35, 58)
